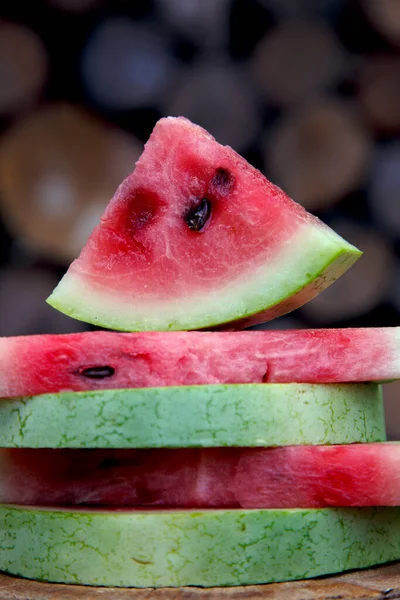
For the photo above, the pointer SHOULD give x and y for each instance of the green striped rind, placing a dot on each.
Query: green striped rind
(196, 416)
(204, 548)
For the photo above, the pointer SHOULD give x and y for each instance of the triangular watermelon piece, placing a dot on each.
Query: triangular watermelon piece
(196, 238)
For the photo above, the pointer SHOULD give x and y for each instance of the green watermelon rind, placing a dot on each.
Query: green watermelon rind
(312, 259)
(200, 548)
(197, 416)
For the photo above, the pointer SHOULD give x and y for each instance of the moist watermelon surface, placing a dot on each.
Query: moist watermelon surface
(41, 364)
(284, 477)
(204, 548)
(195, 238)
(196, 416)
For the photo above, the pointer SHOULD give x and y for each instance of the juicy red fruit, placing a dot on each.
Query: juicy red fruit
(287, 477)
(41, 364)
(149, 238)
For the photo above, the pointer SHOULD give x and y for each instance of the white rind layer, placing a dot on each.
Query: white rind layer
(312, 259)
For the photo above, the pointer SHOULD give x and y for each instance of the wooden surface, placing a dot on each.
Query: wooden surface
(379, 584)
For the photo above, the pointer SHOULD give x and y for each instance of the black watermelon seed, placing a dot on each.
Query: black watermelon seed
(222, 181)
(198, 215)
(108, 463)
(97, 372)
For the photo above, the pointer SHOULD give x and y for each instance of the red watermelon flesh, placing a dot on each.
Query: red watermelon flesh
(40, 364)
(194, 238)
(289, 477)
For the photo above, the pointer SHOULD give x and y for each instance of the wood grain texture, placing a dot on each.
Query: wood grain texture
(378, 584)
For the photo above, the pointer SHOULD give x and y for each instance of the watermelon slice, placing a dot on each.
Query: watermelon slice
(205, 548)
(40, 364)
(206, 415)
(197, 238)
(285, 477)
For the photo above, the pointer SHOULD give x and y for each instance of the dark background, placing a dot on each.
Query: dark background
(307, 90)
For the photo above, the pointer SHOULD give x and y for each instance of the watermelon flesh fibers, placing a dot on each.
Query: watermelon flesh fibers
(269, 414)
(203, 547)
(285, 477)
(197, 238)
(41, 364)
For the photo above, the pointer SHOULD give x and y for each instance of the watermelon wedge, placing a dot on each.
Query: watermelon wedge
(41, 364)
(284, 477)
(205, 548)
(195, 416)
(196, 238)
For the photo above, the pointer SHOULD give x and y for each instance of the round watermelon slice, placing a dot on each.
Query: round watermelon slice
(196, 416)
(284, 477)
(195, 238)
(41, 364)
(204, 548)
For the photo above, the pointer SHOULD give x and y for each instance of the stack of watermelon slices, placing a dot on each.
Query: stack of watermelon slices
(171, 458)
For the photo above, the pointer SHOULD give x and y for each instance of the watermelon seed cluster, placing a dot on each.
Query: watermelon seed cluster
(163, 457)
